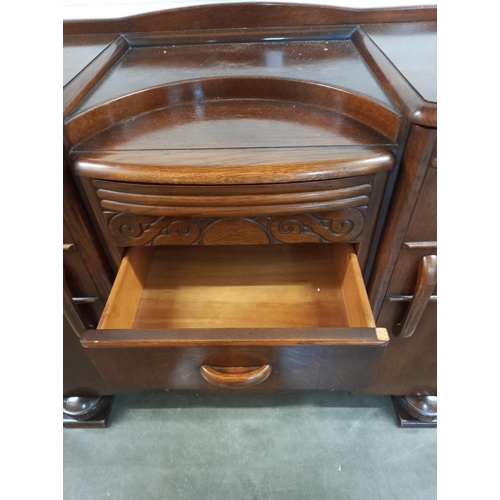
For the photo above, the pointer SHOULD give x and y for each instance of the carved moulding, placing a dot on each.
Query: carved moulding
(344, 225)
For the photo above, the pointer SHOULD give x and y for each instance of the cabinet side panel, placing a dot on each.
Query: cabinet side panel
(80, 376)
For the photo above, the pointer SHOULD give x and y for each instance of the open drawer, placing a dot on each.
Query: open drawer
(282, 316)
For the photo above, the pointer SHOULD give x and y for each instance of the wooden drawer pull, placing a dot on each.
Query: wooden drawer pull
(426, 282)
(235, 376)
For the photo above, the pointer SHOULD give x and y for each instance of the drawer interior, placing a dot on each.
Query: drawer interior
(231, 287)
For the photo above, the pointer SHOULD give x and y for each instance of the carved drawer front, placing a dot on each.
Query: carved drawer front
(277, 316)
(147, 214)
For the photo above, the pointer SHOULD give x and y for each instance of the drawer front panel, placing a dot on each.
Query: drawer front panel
(292, 368)
(218, 201)
(316, 212)
(263, 318)
(344, 225)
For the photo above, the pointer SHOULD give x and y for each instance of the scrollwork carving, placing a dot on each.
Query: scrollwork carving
(340, 225)
(343, 225)
(136, 230)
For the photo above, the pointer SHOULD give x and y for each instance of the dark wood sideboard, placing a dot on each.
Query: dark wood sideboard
(250, 204)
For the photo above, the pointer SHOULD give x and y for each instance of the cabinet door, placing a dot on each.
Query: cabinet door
(409, 364)
(86, 287)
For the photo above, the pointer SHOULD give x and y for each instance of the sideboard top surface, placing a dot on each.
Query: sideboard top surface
(330, 62)
(412, 48)
(80, 50)
(323, 79)
(386, 55)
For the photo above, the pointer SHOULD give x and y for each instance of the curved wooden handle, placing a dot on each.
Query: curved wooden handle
(426, 282)
(235, 376)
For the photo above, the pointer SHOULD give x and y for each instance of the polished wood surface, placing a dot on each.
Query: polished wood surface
(335, 63)
(271, 286)
(150, 197)
(340, 210)
(220, 167)
(409, 365)
(239, 35)
(80, 375)
(412, 48)
(248, 15)
(195, 104)
(87, 270)
(235, 376)
(263, 124)
(358, 307)
(416, 159)
(80, 50)
(405, 272)
(424, 288)
(71, 315)
(100, 421)
(423, 223)
(235, 337)
(406, 421)
(413, 106)
(420, 244)
(294, 367)
(337, 226)
(223, 123)
(84, 81)
(120, 311)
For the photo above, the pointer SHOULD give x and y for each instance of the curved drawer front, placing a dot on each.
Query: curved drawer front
(331, 211)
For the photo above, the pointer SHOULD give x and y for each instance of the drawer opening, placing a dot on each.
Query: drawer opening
(239, 287)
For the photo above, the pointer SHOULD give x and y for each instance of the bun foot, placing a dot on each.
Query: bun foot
(86, 412)
(416, 411)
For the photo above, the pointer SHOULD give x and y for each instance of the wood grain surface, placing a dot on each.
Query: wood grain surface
(233, 338)
(414, 107)
(412, 48)
(190, 102)
(408, 365)
(79, 86)
(299, 367)
(327, 61)
(416, 159)
(282, 286)
(234, 166)
(80, 50)
(184, 115)
(248, 15)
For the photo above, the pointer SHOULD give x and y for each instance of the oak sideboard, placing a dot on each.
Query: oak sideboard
(250, 204)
